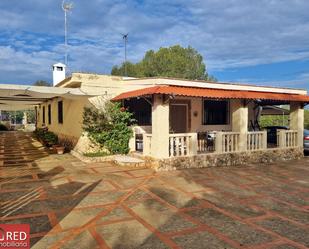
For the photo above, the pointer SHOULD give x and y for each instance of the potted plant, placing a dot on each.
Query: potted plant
(59, 149)
(50, 139)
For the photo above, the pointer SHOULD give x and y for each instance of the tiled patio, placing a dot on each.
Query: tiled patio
(70, 204)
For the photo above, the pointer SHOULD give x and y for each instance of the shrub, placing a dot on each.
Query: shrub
(110, 127)
(3, 127)
(50, 138)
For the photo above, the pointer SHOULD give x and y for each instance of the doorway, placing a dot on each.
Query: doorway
(179, 118)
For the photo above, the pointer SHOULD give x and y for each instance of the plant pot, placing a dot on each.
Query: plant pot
(60, 150)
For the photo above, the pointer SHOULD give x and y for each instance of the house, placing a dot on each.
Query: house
(176, 118)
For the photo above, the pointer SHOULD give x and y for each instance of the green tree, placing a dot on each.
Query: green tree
(174, 61)
(42, 83)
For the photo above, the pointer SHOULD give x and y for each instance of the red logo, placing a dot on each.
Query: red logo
(15, 236)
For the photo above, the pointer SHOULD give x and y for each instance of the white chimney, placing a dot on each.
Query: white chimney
(58, 73)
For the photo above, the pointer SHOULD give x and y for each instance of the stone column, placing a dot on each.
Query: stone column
(297, 121)
(240, 121)
(160, 127)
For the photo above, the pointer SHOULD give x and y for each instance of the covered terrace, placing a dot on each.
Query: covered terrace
(178, 121)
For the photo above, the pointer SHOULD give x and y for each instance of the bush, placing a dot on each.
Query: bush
(3, 127)
(110, 128)
(49, 138)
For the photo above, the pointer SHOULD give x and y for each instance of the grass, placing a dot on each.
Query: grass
(96, 154)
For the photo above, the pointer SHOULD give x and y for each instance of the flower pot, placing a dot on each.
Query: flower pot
(60, 150)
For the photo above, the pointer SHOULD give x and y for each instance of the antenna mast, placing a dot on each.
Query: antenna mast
(66, 8)
(125, 38)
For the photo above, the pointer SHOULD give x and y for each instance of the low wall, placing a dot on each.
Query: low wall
(229, 159)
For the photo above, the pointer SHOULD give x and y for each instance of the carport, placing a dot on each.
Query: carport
(23, 97)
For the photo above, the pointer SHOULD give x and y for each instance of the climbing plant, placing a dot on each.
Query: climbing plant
(109, 127)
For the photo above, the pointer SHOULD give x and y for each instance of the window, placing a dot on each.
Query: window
(215, 112)
(60, 112)
(141, 110)
(49, 114)
(43, 116)
(59, 68)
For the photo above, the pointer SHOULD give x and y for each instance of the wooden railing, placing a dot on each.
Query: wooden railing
(182, 144)
(256, 140)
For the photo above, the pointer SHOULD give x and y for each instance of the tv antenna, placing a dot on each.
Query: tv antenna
(66, 8)
(125, 38)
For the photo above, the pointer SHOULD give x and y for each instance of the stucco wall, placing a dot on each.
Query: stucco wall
(72, 116)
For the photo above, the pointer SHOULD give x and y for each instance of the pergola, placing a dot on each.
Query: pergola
(23, 97)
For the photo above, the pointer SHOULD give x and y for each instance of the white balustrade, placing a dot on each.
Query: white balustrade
(291, 138)
(183, 144)
(256, 140)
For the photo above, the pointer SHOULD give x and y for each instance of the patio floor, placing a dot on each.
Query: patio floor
(70, 204)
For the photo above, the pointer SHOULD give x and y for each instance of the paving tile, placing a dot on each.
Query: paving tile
(129, 235)
(230, 204)
(101, 199)
(160, 217)
(47, 240)
(285, 246)
(200, 240)
(38, 224)
(138, 195)
(286, 229)
(81, 241)
(117, 213)
(284, 210)
(234, 229)
(77, 218)
(75, 193)
(172, 195)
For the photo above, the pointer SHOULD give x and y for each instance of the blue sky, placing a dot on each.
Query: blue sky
(263, 42)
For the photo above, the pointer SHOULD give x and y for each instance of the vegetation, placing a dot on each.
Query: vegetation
(30, 116)
(307, 119)
(47, 137)
(109, 127)
(175, 61)
(96, 154)
(16, 117)
(281, 120)
(274, 120)
(42, 83)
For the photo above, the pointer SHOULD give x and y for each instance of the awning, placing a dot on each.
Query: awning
(21, 97)
(212, 93)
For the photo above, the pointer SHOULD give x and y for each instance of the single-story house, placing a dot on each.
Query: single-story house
(175, 117)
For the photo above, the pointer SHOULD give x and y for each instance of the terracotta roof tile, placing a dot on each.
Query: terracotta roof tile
(212, 93)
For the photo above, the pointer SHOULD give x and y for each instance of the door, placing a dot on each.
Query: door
(178, 118)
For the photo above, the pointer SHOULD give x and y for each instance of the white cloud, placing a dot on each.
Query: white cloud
(229, 34)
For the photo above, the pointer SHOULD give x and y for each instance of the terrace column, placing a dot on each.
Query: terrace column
(297, 121)
(239, 115)
(160, 127)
